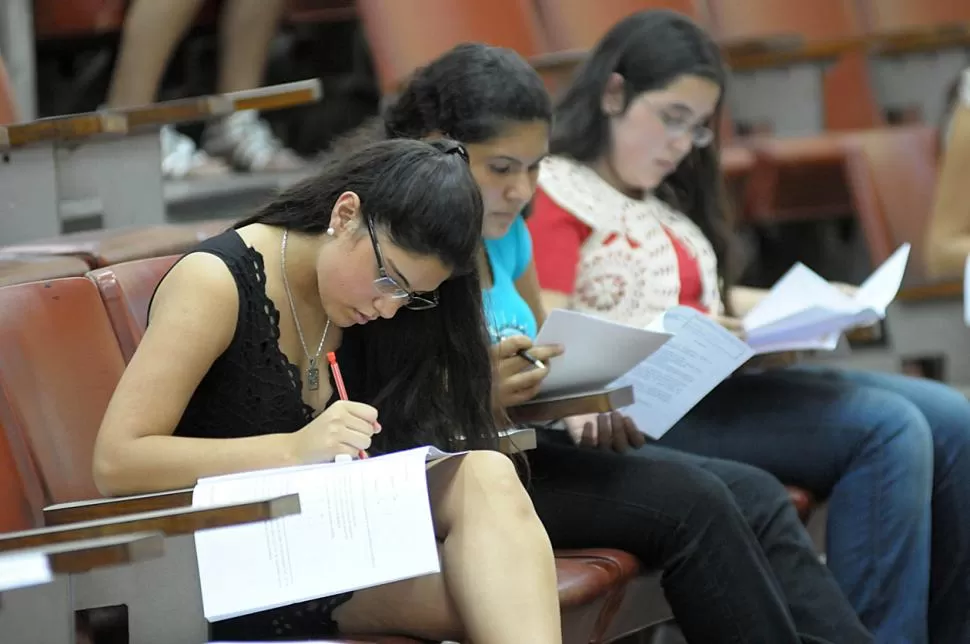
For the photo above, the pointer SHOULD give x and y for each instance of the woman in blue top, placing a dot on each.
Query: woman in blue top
(737, 564)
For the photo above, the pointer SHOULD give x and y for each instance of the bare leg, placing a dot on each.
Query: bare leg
(498, 580)
(151, 32)
(246, 30)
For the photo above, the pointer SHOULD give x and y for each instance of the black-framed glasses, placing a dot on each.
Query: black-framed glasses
(387, 285)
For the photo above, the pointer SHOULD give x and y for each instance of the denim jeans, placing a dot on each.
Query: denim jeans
(737, 565)
(891, 454)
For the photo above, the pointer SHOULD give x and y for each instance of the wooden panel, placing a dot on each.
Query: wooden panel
(169, 522)
(554, 408)
(62, 128)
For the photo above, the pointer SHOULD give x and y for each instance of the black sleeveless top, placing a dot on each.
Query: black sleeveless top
(250, 390)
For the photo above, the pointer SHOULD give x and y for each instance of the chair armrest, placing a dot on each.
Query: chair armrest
(170, 522)
(61, 514)
(556, 407)
(72, 557)
(96, 509)
(62, 128)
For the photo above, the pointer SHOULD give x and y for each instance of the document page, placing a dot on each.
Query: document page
(362, 524)
(597, 351)
(802, 311)
(669, 383)
(24, 569)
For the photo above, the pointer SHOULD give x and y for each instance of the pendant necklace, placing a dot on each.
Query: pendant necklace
(313, 370)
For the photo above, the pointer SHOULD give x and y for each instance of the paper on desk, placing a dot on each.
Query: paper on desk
(802, 311)
(362, 524)
(699, 355)
(597, 351)
(24, 569)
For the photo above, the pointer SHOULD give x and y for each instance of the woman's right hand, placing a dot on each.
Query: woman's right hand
(344, 427)
(517, 380)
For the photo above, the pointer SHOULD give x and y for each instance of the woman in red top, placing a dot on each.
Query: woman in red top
(629, 221)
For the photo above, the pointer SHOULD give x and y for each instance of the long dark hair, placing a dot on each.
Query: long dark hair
(651, 49)
(427, 372)
(468, 94)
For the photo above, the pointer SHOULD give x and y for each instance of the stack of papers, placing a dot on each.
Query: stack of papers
(364, 523)
(803, 312)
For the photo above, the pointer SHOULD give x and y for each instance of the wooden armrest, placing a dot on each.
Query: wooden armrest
(62, 128)
(277, 97)
(556, 407)
(202, 108)
(765, 45)
(95, 509)
(171, 522)
(566, 58)
(815, 52)
(72, 557)
(185, 110)
(921, 39)
(946, 290)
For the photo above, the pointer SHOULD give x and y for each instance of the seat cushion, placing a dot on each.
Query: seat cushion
(588, 574)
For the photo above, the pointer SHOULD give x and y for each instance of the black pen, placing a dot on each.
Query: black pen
(526, 356)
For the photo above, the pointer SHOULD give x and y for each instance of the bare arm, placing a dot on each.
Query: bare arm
(948, 235)
(193, 321)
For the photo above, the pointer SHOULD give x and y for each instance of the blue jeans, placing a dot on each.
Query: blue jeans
(891, 454)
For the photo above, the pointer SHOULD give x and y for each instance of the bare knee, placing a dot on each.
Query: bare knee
(484, 486)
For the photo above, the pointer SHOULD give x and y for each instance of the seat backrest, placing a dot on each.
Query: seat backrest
(59, 366)
(126, 290)
(892, 177)
(886, 16)
(8, 103)
(21, 494)
(754, 19)
(406, 35)
(579, 24)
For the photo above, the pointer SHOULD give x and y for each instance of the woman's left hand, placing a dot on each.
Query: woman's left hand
(610, 431)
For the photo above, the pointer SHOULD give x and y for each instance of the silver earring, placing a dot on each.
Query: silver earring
(330, 231)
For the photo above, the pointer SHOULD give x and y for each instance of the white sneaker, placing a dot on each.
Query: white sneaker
(182, 160)
(247, 143)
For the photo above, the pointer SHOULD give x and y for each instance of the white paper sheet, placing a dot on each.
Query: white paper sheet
(670, 382)
(597, 351)
(802, 311)
(24, 569)
(362, 524)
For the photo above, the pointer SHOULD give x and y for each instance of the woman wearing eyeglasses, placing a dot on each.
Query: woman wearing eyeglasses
(629, 221)
(228, 378)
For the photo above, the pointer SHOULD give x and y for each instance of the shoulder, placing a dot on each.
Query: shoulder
(200, 291)
(579, 191)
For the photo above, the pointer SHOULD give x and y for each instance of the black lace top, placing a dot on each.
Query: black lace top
(252, 388)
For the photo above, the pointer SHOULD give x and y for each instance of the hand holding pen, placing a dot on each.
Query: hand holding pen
(520, 368)
(338, 380)
(342, 431)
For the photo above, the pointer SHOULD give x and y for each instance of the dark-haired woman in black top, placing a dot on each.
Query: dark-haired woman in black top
(374, 256)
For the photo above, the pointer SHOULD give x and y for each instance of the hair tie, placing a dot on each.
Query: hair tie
(460, 150)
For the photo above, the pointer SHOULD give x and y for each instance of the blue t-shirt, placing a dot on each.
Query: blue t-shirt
(506, 313)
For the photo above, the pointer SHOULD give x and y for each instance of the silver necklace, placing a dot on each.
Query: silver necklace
(312, 370)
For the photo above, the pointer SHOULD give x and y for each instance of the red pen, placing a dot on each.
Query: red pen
(339, 381)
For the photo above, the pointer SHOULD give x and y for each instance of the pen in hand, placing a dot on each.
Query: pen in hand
(525, 355)
(342, 392)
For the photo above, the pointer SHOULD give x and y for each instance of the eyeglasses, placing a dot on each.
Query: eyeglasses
(701, 136)
(387, 285)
